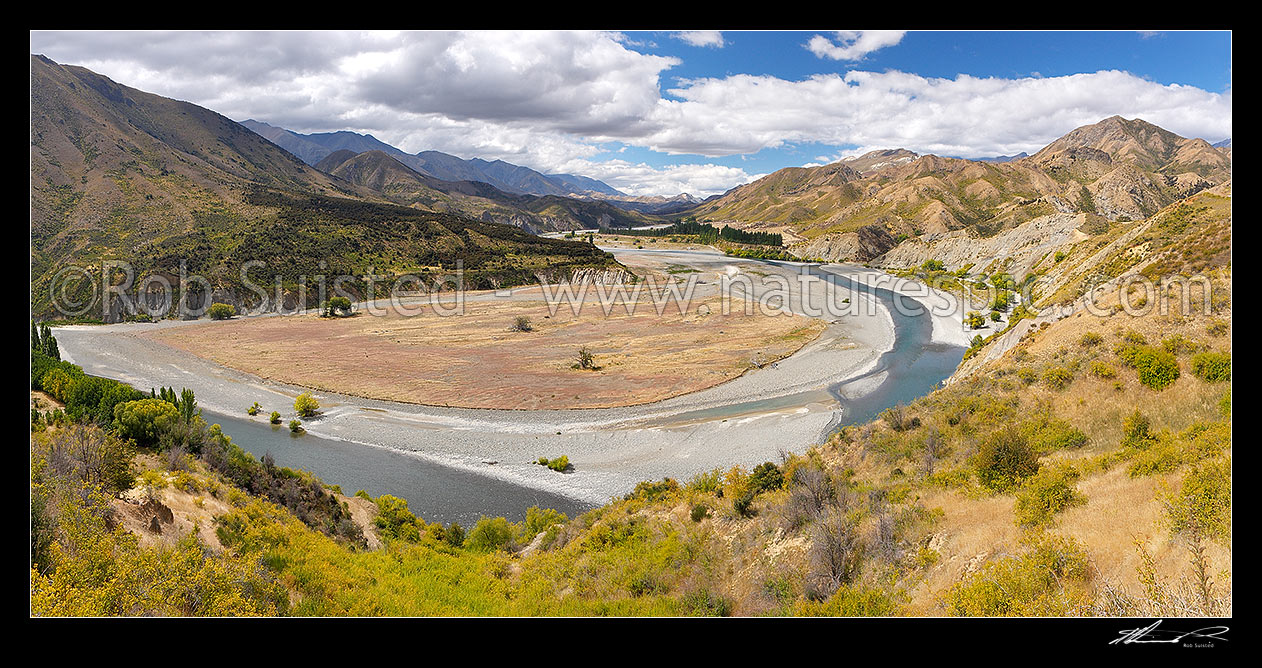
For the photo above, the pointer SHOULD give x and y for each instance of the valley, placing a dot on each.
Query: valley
(388, 382)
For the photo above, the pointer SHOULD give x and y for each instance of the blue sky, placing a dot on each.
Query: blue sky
(1195, 58)
(664, 112)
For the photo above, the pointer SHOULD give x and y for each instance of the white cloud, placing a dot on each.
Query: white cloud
(966, 116)
(712, 38)
(853, 44)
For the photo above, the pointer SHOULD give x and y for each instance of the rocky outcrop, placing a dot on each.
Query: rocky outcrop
(863, 245)
(1023, 245)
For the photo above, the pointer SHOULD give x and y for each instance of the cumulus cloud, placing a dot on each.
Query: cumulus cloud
(712, 38)
(549, 100)
(853, 44)
(966, 116)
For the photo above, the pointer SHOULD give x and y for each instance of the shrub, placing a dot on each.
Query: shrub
(454, 535)
(253, 410)
(306, 405)
(586, 360)
(394, 520)
(1212, 367)
(1202, 506)
(1102, 370)
(490, 535)
(559, 464)
(835, 555)
(766, 477)
(1133, 337)
(219, 311)
(896, 418)
(144, 419)
(706, 482)
(295, 426)
(1178, 344)
(653, 491)
(1166, 452)
(1057, 377)
(1135, 430)
(699, 512)
(337, 306)
(1047, 581)
(1090, 339)
(85, 453)
(1046, 493)
(1157, 368)
(1050, 435)
(1217, 327)
(1004, 460)
(521, 324)
(541, 520)
(974, 320)
(275, 418)
(743, 504)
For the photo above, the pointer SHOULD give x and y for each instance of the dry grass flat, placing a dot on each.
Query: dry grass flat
(474, 360)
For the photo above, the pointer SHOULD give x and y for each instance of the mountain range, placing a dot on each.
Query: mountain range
(510, 178)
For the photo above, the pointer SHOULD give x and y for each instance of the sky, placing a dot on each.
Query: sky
(665, 112)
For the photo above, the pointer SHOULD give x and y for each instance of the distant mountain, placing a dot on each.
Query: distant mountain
(510, 178)
(175, 189)
(585, 185)
(874, 160)
(386, 174)
(861, 207)
(1226, 143)
(655, 205)
(1004, 158)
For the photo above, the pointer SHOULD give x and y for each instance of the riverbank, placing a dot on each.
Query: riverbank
(786, 406)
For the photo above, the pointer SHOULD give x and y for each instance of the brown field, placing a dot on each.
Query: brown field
(474, 360)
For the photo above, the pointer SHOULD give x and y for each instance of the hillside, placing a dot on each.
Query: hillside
(384, 173)
(859, 209)
(119, 174)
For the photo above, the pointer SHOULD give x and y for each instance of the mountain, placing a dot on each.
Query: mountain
(1226, 143)
(860, 208)
(173, 189)
(1140, 144)
(510, 178)
(586, 185)
(656, 205)
(874, 160)
(1004, 158)
(386, 174)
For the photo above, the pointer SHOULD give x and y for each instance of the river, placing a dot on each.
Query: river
(459, 464)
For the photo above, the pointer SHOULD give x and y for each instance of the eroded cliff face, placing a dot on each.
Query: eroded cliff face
(1019, 249)
(863, 245)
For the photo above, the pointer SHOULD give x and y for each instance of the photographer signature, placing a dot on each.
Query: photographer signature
(1152, 634)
